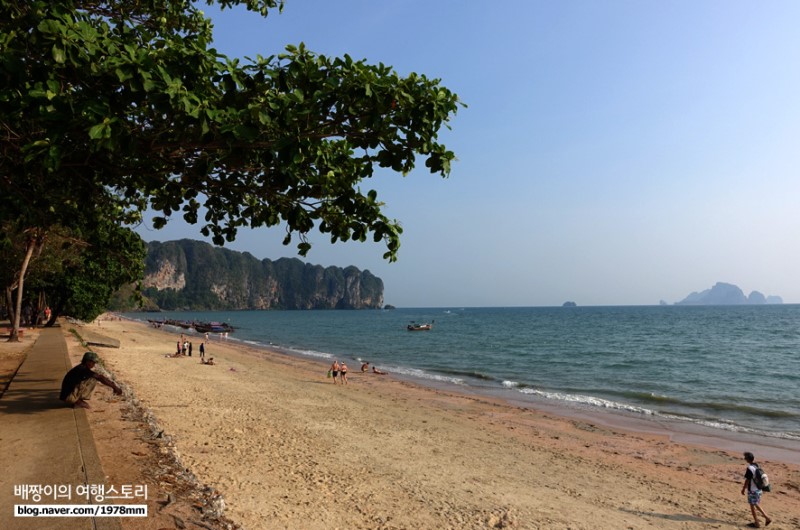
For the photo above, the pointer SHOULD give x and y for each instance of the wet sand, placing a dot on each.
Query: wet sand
(289, 449)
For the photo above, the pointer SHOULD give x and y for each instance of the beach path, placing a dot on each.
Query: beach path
(45, 443)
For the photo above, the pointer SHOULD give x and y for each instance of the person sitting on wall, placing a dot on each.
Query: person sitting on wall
(80, 381)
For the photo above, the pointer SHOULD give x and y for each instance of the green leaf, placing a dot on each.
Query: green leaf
(59, 56)
(98, 131)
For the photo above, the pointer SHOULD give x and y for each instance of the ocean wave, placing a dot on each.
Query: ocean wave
(422, 374)
(587, 400)
(733, 427)
(516, 385)
(468, 373)
(652, 397)
(309, 353)
(747, 409)
(591, 401)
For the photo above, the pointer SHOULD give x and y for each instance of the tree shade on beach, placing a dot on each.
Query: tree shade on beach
(126, 106)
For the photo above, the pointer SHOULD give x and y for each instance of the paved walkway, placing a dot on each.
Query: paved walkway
(44, 443)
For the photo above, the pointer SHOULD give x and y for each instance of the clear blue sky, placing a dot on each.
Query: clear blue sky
(613, 152)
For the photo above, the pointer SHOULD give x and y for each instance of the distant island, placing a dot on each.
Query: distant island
(569, 304)
(728, 294)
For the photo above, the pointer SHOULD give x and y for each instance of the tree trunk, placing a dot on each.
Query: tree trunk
(10, 304)
(30, 246)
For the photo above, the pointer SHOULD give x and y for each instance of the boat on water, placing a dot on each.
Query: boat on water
(200, 327)
(420, 327)
(170, 322)
(213, 327)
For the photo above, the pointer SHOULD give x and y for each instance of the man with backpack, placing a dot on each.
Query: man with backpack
(752, 483)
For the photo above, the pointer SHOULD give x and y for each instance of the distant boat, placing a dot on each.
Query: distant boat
(420, 327)
(169, 322)
(213, 327)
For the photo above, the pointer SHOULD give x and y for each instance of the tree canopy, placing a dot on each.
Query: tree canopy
(110, 107)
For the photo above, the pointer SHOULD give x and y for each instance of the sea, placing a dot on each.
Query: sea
(727, 368)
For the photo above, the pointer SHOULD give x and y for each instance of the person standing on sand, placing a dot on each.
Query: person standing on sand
(190, 349)
(80, 381)
(202, 351)
(335, 370)
(343, 369)
(753, 493)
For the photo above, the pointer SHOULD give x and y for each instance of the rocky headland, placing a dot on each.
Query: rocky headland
(193, 275)
(728, 294)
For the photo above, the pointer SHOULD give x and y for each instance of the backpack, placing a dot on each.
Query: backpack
(761, 479)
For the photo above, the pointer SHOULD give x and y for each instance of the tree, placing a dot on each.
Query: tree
(110, 256)
(29, 244)
(78, 272)
(126, 105)
(41, 261)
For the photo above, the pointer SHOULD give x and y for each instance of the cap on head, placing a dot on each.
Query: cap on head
(90, 356)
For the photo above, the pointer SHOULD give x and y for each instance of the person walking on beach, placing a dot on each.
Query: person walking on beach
(80, 381)
(202, 351)
(335, 370)
(343, 369)
(753, 493)
(190, 349)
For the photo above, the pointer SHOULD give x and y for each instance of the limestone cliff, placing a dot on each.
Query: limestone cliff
(189, 274)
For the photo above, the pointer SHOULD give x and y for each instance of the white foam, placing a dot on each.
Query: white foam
(720, 424)
(313, 353)
(588, 400)
(422, 374)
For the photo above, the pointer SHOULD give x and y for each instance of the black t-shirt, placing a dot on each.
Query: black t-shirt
(73, 378)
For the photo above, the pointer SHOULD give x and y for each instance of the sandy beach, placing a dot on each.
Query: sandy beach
(271, 437)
